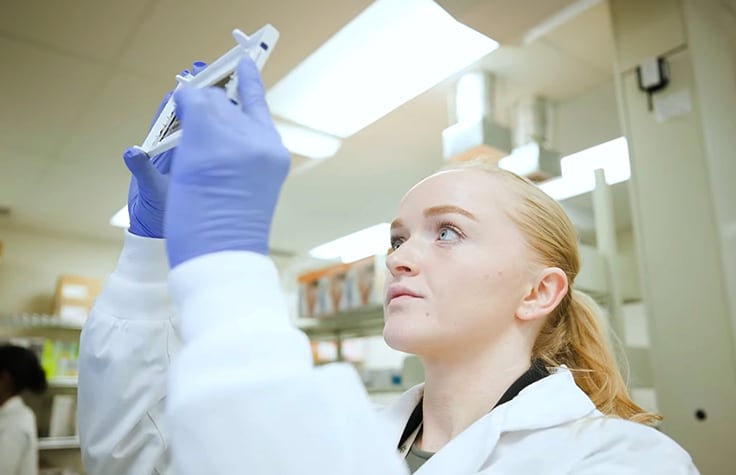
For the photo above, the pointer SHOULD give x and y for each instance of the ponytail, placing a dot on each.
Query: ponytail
(575, 337)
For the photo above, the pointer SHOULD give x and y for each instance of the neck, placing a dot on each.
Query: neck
(458, 393)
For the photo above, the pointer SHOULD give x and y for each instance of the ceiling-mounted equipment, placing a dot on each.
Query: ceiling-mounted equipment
(530, 156)
(475, 131)
(532, 161)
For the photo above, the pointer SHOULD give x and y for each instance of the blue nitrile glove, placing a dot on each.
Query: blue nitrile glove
(227, 171)
(149, 181)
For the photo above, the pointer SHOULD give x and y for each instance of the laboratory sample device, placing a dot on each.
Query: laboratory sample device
(165, 132)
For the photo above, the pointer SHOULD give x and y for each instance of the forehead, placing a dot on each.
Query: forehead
(473, 190)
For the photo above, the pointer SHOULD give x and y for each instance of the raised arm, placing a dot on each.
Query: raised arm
(244, 396)
(129, 340)
(125, 353)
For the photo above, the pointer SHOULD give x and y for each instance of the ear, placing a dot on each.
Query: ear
(546, 293)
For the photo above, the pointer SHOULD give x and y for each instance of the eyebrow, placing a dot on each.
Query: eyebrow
(448, 209)
(437, 210)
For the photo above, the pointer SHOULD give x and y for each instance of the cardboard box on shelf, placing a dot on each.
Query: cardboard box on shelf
(75, 296)
(324, 292)
(340, 287)
(366, 279)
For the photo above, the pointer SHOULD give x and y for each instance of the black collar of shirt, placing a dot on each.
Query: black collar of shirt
(536, 372)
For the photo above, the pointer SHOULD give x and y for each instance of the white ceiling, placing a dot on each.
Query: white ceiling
(81, 80)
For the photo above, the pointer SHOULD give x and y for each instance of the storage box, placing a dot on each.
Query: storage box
(340, 287)
(324, 292)
(75, 296)
(366, 279)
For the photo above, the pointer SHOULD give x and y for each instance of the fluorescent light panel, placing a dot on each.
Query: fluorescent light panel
(307, 143)
(578, 169)
(366, 242)
(390, 53)
(121, 219)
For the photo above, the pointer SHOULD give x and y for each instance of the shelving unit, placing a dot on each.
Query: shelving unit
(37, 321)
(360, 322)
(58, 443)
(36, 325)
(63, 382)
(53, 451)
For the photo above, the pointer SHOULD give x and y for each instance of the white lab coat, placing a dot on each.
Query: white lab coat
(243, 397)
(18, 439)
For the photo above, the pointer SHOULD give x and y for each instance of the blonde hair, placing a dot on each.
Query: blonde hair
(572, 334)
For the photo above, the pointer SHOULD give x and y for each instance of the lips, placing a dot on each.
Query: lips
(395, 291)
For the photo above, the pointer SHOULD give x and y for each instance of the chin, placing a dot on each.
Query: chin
(401, 337)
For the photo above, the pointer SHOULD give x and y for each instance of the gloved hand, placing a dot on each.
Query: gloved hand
(227, 171)
(149, 181)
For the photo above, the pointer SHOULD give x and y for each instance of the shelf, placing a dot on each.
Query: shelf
(37, 321)
(63, 382)
(381, 391)
(366, 321)
(58, 443)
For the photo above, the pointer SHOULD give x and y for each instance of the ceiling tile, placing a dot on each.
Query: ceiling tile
(506, 21)
(544, 69)
(76, 199)
(587, 37)
(173, 37)
(118, 117)
(88, 28)
(42, 93)
(21, 171)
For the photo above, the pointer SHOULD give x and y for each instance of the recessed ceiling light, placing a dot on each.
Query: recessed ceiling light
(390, 53)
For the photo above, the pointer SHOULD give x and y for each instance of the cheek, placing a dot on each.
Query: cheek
(475, 297)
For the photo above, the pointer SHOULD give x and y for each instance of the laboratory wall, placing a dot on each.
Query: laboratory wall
(32, 261)
(628, 277)
(681, 144)
(585, 120)
(712, 29)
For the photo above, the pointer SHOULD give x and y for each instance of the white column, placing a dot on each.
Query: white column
(683, 201)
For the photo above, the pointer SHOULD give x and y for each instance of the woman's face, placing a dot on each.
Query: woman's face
(459, 270)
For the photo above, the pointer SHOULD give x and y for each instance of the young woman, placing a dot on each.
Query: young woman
(519, 377)
(20, 371)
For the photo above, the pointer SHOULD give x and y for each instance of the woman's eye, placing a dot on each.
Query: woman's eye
(448, 234)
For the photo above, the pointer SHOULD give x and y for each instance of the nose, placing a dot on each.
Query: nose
(403, 261)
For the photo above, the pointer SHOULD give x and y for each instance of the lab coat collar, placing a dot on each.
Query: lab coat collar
(11, 406)
(549, 402)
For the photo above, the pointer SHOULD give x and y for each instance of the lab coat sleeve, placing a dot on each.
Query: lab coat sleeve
(244, 396)
(126, 347)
